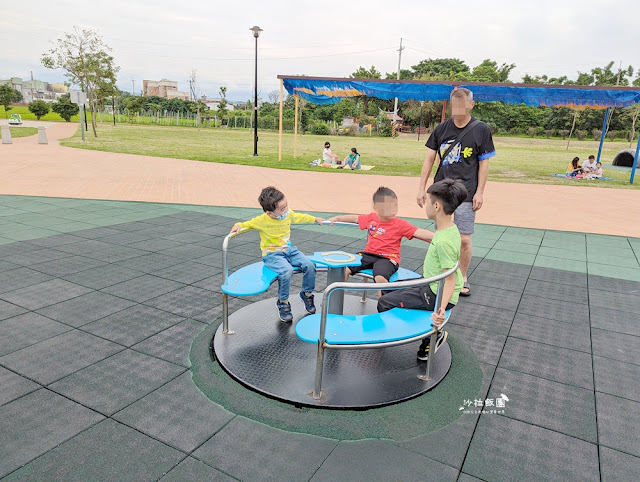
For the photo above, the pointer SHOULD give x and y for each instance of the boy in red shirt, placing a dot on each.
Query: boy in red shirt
(384, 235)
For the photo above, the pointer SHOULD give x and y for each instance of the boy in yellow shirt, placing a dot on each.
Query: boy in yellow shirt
(277, 253)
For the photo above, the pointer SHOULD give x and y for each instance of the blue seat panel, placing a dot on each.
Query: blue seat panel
(395, 324)
(250, 280)
(403, 274)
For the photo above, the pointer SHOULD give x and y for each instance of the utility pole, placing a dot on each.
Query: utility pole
(395, 105)
(133, 87)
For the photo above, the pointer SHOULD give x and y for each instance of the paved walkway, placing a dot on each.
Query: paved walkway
(51, 170)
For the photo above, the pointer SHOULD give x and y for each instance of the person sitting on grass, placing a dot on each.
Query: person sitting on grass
(596, 173)
(384, 236)
(574, 168)
(353, 159)
(277, 253)
(443, 197)
(590, 164)
(328, 156)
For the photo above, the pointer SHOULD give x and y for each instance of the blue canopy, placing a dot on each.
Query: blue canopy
(331, 90)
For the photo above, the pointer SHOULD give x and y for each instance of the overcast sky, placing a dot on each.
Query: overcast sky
(161, 39)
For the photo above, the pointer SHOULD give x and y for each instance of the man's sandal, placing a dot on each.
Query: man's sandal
(468, 292)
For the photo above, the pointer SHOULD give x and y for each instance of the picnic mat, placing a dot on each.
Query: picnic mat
(603, 178)
(363, 167)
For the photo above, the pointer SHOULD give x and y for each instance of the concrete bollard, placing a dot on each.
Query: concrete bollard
(6, 135)
(42, 135)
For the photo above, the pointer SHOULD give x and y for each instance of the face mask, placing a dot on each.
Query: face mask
(283, 216)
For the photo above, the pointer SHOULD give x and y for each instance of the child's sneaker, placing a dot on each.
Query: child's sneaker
(284, 311)
(423, 352)
(308, 303)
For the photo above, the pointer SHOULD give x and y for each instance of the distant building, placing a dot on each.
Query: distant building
(163, 88)
(213, 104)
(33, 89)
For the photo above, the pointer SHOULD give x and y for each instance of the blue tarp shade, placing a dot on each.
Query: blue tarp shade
(328, 91)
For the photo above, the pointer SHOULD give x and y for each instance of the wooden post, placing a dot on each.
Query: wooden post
(295, 130)
(280, 125)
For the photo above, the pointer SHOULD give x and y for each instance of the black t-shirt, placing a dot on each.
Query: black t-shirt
(462, 161)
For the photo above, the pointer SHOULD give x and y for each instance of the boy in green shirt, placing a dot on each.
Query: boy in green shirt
(277, 253)
(443, 198)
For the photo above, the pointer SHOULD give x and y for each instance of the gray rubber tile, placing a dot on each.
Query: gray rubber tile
(133, 226)
(577, 280)
(172, 344)
(54, 241)
(21, 278)
(493, 297)
(487, 346)
(190, 237)
(481, 317)
(27, 329)
(188, 302)
(38, 256)
(556, 406)
(546, 361)
(379, 460)
(234, 305)
(107, 451)
(57, 357)
(8, 310)
(521, 270)
(617, 378)
(132, 325)
(554, 309)
(617, 301)
(86, 308)
(14, 386)
(192, 469)
(556, 291)
(467, 478)
(496, 280)
(6, 266)
(96, 233)
(618, 466)
(117, 381)
(7, 251)
(149, 262)
(213, 283)
(154, 244)
(143, 288)
(507, 449)
(125, 238)
(84, 246)
(36, 423)
(618, 423)
(65, 266)
(177, 414)
(235, 260)
(188, 272)
(102, 276)
(115, 253)
(44, 294)
(616, 345)
(189, 251)
(245, 449)
(614, 285)
(613, 320)
(551, 332)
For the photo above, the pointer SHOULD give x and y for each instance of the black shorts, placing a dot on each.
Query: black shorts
(417, 298)
(381, 266)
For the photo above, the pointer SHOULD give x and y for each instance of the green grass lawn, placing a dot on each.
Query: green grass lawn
(522, 160)
(22, 131)
(26, 115)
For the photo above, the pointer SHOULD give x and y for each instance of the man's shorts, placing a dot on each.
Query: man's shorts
(465, 218)
(381, 266)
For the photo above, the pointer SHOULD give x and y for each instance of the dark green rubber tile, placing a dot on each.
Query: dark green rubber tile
(177, 414)
(172, 344)
(143, 288)
(617, 466)
(617, 301)
(379, 460)
(618, 423)
(114, 383)
(487, 346)
(564, 408)
(617, 378)
(616, 346)
(577, 280)
(246, 449)
(85, 308)
(132, 325)
(485, 318)
(547, 290)
(501, 281)
(506, 449)
(36, 423)
(102, 276)
(188, 301)
(550, 332)
(14, 386)
(554, 309)
(192, 469)
(616, 321)
(107, 451)
(27, 329)
(20, 278)
(553, 363)
(57, 357)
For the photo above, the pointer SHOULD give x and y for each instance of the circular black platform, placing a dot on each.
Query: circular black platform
(265, 355)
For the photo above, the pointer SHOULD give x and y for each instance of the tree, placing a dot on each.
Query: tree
(488, 71)
(39, 108)
(441, 68)
(8, 95)
(222, 106)
(65, 108)
(88, 64)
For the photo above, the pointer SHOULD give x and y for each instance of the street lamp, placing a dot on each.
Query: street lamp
(256, 33)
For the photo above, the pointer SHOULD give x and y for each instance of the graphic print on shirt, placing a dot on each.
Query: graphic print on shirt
(454, 155)
(374, 231)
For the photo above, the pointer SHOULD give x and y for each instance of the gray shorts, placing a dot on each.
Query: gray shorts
(465, 218)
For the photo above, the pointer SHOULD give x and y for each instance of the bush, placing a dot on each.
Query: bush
(320, 129)
(532, 131)
(514, 131)
(612, 135)
(549, 133)
(629, 135)
(39, 108)
(564, 133)
(581, 134)
(597, 133)
(493, 128)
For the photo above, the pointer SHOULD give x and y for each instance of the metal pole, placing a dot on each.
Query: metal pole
(255, 107)
(317, 389)
(606, 118)
(395, 105)
(280, 122)
(84, 108)
(434, 336)
(82, 122)
(295, 130)
(635, 163)
(113, 106)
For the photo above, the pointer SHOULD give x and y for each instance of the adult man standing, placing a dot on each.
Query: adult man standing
(464, 146)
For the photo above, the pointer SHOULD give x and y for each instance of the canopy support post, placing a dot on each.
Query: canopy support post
(604, 126)
(444, 111)
(295, 129)
(280, 123)
(635, 163)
